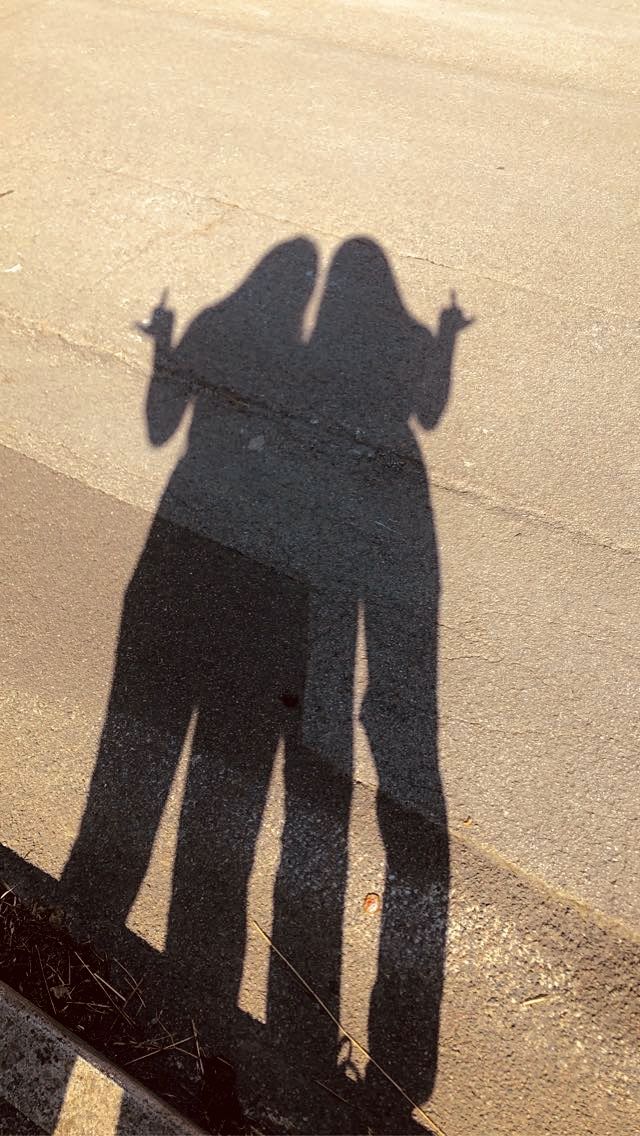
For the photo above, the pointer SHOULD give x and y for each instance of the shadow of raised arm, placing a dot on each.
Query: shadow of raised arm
(166, 402)
(432, 391)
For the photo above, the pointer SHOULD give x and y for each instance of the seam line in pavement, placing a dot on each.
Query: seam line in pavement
(474, 494)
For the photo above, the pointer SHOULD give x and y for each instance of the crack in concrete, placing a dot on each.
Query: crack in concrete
(514, 283)
(474, 494)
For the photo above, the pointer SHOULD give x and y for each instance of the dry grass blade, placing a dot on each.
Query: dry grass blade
(136, 985)
(162, 1049)
(328, 1089)
(195, 1034)
(134, 990)
(157, 1021)
(108, 985)
(188, 1053)
(345, 1033)
(46, 984)
(104, 986)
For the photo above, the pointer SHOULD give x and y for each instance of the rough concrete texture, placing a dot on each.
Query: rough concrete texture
(539, 1017)
(51, 1083)
(360, 498)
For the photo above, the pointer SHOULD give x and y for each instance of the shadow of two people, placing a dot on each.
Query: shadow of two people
(297, 519)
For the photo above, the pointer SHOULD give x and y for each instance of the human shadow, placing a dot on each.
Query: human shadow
(297, 519)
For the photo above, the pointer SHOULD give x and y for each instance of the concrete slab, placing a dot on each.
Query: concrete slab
(198, 833)
(537, 675)
(492, 150)
(102, 220)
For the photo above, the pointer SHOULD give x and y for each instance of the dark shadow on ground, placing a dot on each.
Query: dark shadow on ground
(299, 511)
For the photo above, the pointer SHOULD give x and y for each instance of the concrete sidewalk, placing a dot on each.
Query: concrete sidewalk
(52, 1083)
(155, 146)
(152, 147)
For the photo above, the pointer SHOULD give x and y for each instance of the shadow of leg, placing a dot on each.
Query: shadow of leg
(250, 704)
(405, 1004)
(308, 914)
(148, 714)
(400, 715)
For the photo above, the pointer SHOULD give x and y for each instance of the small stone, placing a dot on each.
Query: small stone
(372, 903)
